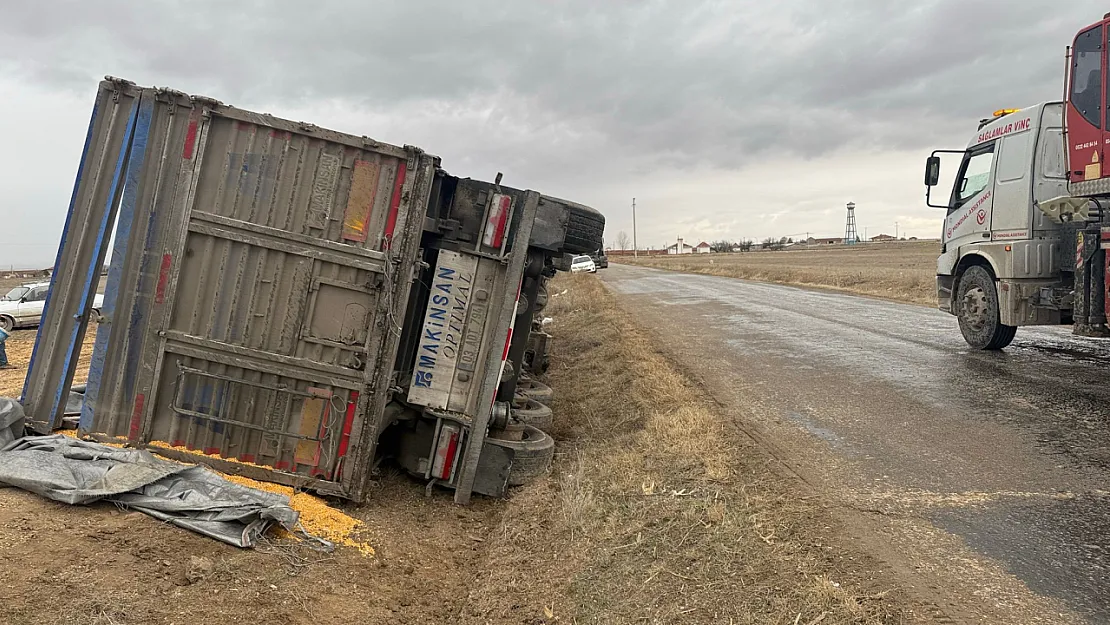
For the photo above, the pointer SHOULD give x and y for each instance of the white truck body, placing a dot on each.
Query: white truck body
(998, 217)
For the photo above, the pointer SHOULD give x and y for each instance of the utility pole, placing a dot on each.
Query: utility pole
(635, 248)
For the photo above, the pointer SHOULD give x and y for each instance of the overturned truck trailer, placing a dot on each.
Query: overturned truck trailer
(260, 306)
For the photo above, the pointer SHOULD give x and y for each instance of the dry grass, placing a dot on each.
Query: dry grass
(20, 346)
(665, 512)
(903, 271)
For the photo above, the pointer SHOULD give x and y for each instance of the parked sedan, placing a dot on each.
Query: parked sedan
(22, 306)
(579, 264)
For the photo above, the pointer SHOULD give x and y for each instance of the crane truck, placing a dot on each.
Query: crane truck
(1027, 227)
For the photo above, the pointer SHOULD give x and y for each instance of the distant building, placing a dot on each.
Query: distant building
(703, 248)
(827, 241)
(882, 237)
(680, 248)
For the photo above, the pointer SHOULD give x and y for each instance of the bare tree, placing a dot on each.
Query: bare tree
(623, 240)
(721, 246)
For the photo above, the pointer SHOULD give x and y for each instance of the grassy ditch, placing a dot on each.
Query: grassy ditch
(659, 509)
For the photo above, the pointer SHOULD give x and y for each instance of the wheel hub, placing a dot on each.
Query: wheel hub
(975, 308)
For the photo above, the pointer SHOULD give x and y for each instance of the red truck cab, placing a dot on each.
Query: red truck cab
(1087, 117)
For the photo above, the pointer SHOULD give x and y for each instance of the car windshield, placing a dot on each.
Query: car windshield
(16, 294)
(580, 259)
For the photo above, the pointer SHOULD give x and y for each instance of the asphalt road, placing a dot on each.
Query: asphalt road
(991, 468)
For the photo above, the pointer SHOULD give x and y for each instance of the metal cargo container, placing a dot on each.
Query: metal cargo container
(258, 277)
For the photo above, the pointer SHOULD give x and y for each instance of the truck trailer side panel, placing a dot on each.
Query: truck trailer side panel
(259, 271)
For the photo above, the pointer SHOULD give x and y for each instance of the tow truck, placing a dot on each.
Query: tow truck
(1026, 231)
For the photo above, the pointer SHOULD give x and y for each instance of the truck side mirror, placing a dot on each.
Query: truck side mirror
(932, 171)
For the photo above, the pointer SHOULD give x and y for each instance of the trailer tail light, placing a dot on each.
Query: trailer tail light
(497, 220)
(445, 452)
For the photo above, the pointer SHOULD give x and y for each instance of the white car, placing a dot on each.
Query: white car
(22, 306)
(579, 264)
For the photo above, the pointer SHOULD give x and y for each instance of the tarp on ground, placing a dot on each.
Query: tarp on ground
(191, 496)
(11, 421)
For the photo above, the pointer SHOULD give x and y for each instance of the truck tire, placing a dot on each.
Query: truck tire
(533, 389)
(7, 323)
(531, 456)
(541, 298)
(585, 229)
(978, 311)
(533, 413)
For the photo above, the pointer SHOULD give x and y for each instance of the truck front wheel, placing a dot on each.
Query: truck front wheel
(978, 311)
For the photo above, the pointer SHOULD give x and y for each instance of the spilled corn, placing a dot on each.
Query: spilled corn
(316, 516)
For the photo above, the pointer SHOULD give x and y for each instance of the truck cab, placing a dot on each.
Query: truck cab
(1003, 262)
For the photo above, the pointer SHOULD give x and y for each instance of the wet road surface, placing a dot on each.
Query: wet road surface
(885, 407)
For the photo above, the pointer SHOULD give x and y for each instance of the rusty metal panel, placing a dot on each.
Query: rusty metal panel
(360, 201)
(257, 280)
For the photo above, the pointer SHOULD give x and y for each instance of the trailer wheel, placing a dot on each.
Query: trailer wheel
(533, 389)
(585, 229)
(978, 311)
(531, 456)
(541, 298)
(533, 413)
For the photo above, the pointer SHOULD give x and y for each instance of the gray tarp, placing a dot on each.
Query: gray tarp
(11, 421)
(190, 496)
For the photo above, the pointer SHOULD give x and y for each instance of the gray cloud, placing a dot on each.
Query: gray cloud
(582, 96)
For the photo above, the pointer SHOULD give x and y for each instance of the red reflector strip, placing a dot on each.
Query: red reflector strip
(508, 342)
(348, 421)
(211, 451)
(247, 458)
(136, 417)
(394, 205)
(494, 233)
(163, 278)
(190, 140)
(452, 446)
(445, 452)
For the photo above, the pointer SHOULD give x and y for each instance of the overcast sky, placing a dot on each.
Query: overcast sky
(724, 119)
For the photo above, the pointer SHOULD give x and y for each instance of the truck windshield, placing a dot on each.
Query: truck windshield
(976, 174)
(15, 294)
(1086, 72)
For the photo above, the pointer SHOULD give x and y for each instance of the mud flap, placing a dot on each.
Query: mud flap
(1090, 290)
(492, 477)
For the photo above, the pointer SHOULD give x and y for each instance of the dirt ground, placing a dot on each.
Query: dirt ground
(902, 271)
(657, 510)
(20, 346)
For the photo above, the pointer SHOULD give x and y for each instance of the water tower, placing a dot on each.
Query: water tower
(850, 234)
